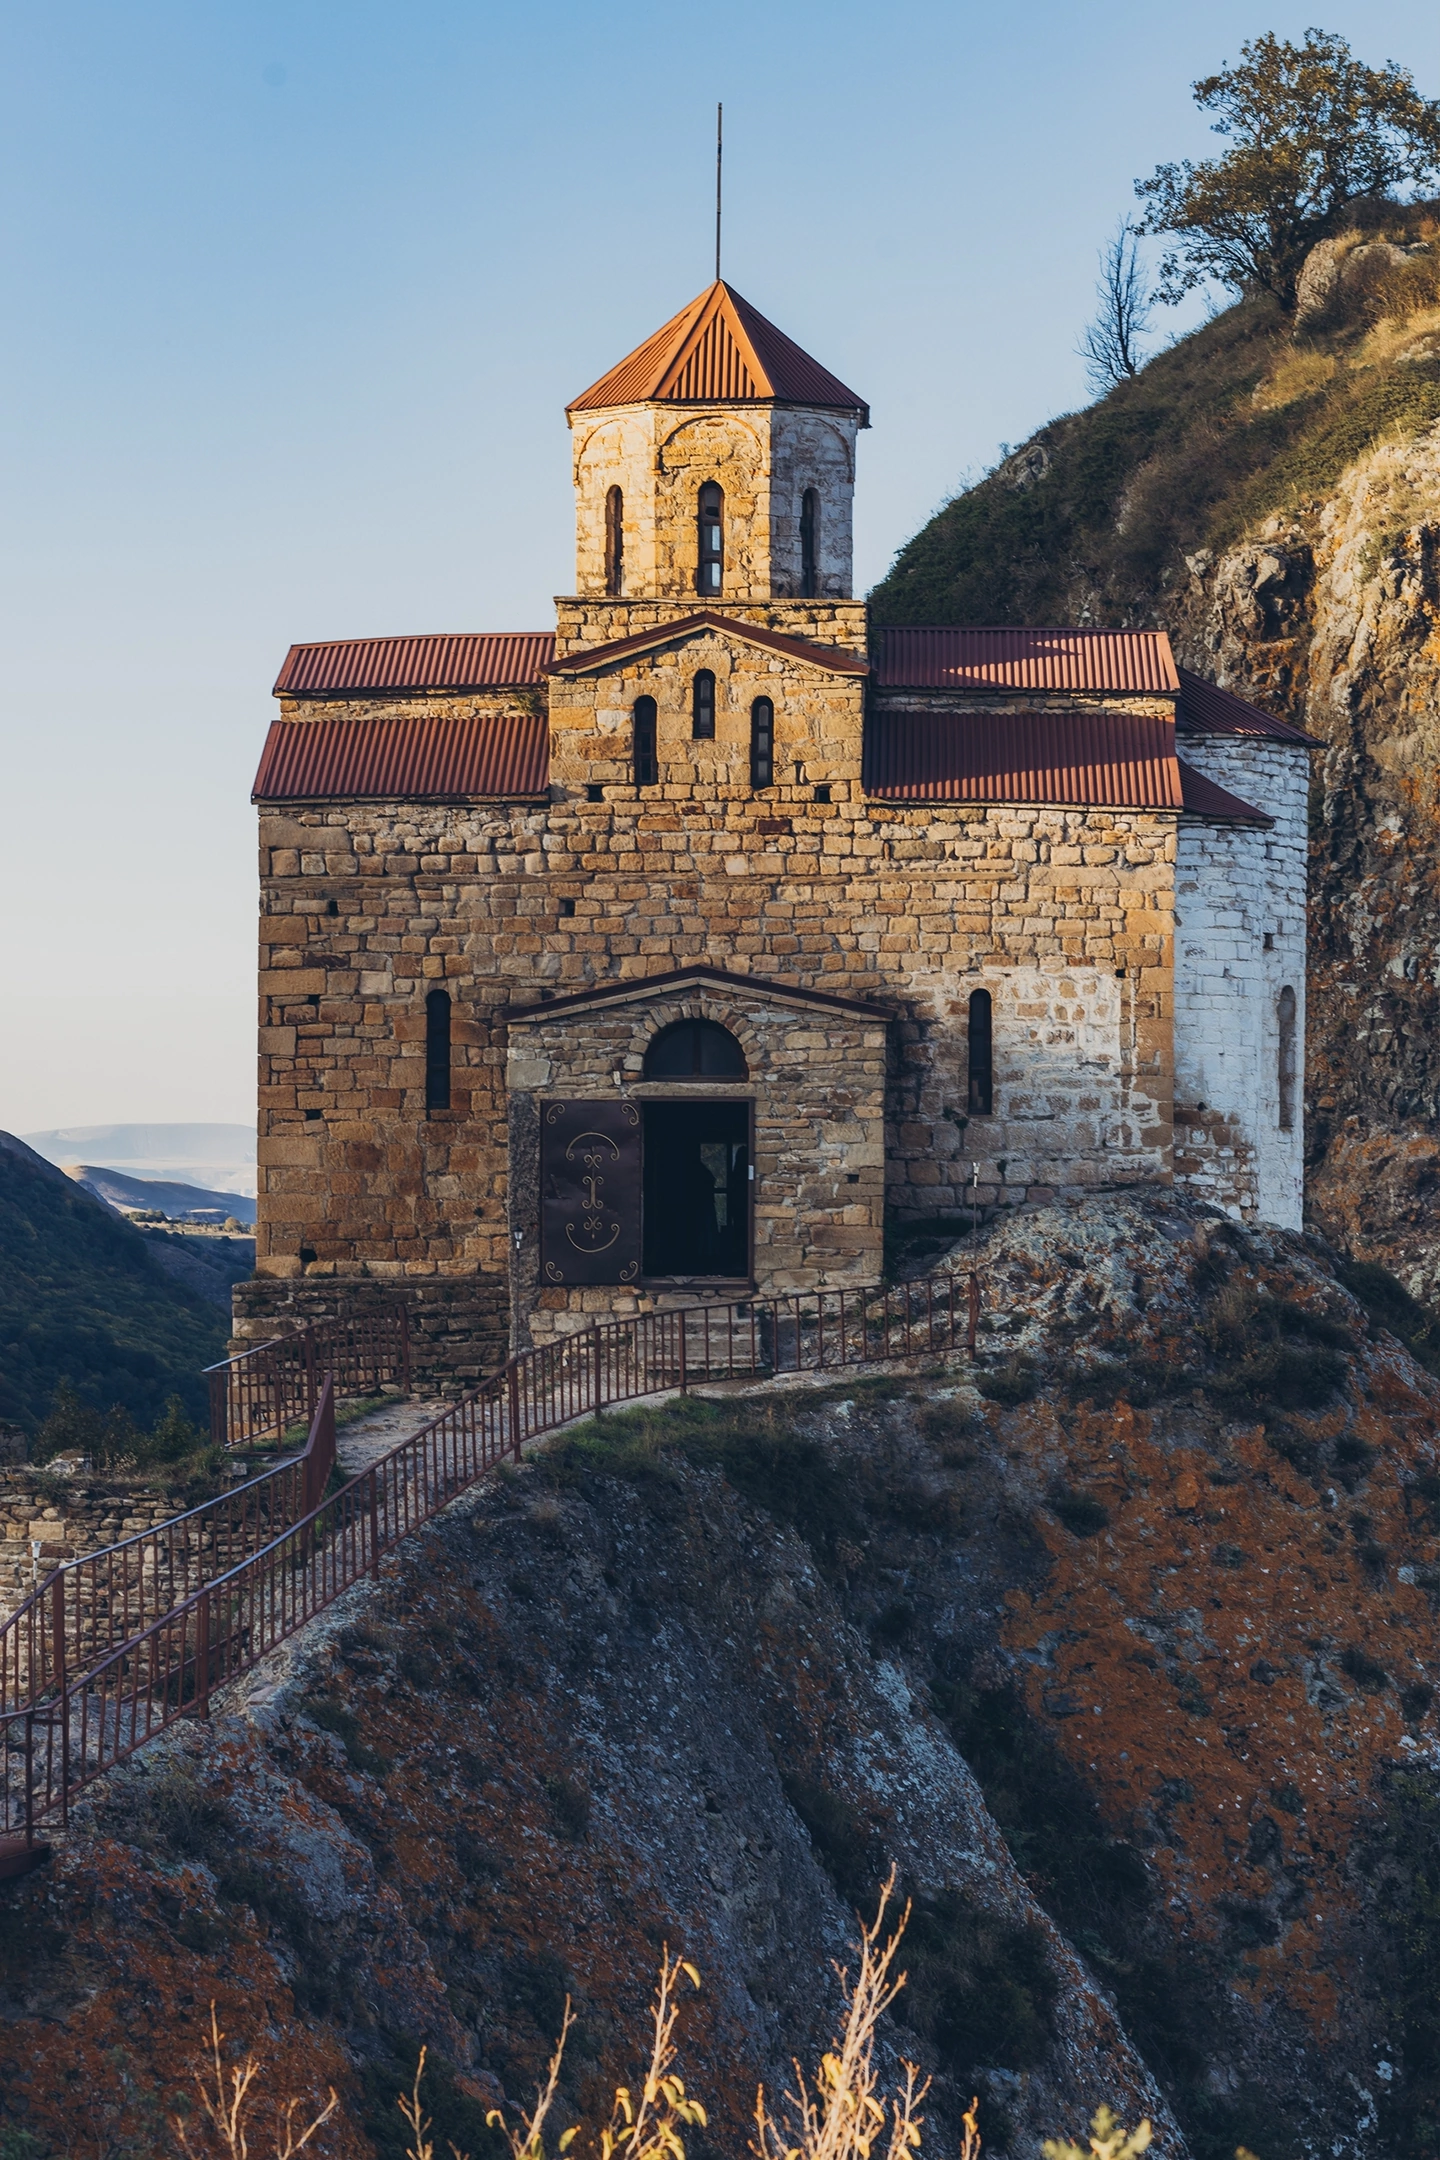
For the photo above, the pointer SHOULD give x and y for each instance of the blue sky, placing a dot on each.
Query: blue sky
(297, 294)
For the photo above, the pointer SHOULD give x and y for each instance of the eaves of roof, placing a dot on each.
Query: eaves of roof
(1126, 663)
(379, 666)
(1203, 798)
(424, 758)
(1206, 709)
(643, 986)
(593, 657)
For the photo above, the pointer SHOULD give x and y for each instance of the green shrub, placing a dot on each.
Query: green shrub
(1015, 1382)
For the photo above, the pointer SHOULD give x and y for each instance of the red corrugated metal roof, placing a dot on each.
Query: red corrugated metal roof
(480, 660)
(1121, 760)
(1205, 709)
(1205, 799)
(415, 759)
(719, 350)
(595, 656)
(1127, 662)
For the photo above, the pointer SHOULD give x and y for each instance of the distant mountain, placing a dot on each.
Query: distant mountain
(221, 1157)
(174, 1200)
(82, 1299)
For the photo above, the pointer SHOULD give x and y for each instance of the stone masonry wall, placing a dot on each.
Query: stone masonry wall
(66, 1519)
(1240, 940)
(764, 457)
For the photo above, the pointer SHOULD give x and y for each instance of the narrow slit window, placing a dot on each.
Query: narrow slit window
(810, 543)
(702, 707)
(982, 1057)
(645, 753)
(437, 1050)
(1286, 1013)
(762, 743)
(710, 564)
(614, 544)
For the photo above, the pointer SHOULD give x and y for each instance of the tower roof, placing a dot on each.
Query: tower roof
(719, 350)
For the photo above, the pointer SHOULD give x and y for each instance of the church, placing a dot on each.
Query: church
(718, 941)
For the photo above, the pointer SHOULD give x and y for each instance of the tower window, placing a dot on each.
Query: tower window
(981, 1057)
(710, 562)
(437, 1050)
(762, 743)
(810, 543)
(702, 707)
(1285, 1011)
(643, 746)
(614, 544)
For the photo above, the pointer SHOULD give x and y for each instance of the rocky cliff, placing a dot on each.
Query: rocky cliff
(1269, 491)
(1121, 1648)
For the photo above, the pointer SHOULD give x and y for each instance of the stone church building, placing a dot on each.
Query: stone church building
(698, 945)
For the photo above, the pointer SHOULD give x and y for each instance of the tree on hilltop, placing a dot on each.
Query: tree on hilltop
(1110, 347)
(1311, 130)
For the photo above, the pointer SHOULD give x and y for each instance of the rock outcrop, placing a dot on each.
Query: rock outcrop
(1121, 1648)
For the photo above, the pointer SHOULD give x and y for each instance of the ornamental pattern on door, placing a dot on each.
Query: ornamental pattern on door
(590, 1181)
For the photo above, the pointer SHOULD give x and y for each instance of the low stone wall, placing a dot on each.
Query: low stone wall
(82, 1517)
(458, 1329)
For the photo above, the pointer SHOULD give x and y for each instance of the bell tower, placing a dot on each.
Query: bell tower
(715, 464)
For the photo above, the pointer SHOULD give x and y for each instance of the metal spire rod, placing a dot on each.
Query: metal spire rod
(719, 153)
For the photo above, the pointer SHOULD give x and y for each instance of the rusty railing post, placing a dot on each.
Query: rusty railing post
(512, 1389)
(220, 1407)
(375, 1523)
(202, 1655)
(684, 1372)
(309, 1372)
(974, 1315)
(57, 1631)
(596, 1404)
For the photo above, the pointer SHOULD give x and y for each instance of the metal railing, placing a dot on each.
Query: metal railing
(171, 1667)
(261, 1393)
(90, 1606)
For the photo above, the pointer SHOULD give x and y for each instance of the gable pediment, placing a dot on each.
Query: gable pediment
(699, 976)
(594, 659)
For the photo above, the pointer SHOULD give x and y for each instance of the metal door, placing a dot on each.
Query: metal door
(590, 1181)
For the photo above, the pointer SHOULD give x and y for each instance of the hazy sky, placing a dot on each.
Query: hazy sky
(295, 296)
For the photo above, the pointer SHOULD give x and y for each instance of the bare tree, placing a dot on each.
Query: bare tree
(1110, 347)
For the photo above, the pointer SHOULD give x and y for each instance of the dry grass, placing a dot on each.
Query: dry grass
(228, 2093)
(841, 2113)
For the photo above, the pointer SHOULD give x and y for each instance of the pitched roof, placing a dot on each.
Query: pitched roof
(1203, 798)
(420, 758)
(1121, 760)
(1205, 709)
(467, 660)
(1125, 662)
(598, 656)
(697, 971)
(719, 350)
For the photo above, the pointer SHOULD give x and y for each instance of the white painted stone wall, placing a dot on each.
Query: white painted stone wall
(1239, 941)
(763, 456)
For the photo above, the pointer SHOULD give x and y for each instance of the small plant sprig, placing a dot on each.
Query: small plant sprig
(643, 2127)
(1109, 2140)
(226, 2098)
(843, 2116)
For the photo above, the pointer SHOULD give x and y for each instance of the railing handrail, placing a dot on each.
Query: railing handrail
(90, 1724)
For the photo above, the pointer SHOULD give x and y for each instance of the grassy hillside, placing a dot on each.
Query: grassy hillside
(82, 1300)
(1093, 518)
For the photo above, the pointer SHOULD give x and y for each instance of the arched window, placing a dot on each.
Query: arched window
(702, 707)
(1285, 1008)
(695, 1050)
(437, 1050)
(644, 752)
(810, 543)
(710, 559)
(762, 743)
(982, 1057)
(614, 544)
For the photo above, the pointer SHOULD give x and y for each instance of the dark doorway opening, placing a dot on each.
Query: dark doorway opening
(697, 1189)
